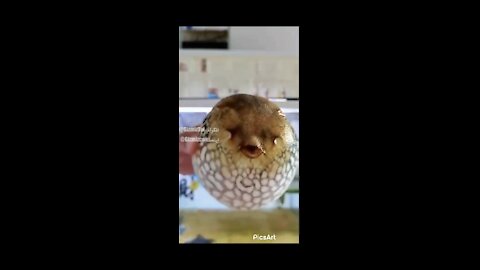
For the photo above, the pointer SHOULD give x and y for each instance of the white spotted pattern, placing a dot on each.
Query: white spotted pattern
(246, 197)
(243, 188)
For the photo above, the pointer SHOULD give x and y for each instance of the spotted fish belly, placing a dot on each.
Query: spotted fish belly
(244, 188)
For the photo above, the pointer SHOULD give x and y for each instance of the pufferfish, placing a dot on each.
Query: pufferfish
(248, 152)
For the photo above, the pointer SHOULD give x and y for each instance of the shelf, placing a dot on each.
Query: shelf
(205, 28)
(205, 105)
(213, 52)
(207, 45)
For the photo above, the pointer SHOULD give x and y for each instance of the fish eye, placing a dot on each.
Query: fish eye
(232, 131)
(229, 134)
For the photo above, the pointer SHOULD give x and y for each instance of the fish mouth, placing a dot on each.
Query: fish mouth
(252, 151)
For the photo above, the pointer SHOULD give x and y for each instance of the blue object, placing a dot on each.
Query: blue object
(181, 229)
(212, 96)
(200, 240)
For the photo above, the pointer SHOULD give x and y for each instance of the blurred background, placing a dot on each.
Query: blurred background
(215, 62)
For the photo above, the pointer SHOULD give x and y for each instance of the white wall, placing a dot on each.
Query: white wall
(285, 39)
